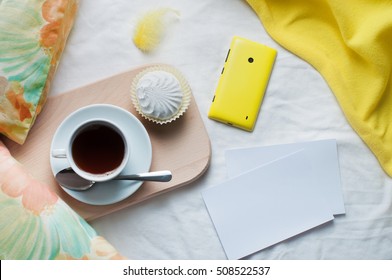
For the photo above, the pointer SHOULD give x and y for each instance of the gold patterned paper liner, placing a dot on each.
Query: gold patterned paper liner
(185, 88)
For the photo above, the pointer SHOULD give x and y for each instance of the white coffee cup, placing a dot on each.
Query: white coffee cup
(97, 150)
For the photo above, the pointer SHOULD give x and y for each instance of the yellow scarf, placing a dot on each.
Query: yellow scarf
(350, 43)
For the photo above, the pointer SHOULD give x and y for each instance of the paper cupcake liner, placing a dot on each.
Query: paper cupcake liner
(186, 90)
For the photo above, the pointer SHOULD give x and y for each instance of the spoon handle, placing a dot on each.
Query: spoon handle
(158, 176)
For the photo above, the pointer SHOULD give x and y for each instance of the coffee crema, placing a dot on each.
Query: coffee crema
(98, 149)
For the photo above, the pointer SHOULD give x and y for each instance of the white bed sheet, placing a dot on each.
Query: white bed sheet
(298, 106)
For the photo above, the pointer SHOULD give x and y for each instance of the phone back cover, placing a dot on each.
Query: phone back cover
(242, 84)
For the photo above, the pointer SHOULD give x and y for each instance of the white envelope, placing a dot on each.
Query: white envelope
(323, 158)
(266, 205)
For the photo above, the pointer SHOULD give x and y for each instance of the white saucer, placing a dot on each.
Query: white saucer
(140, 153)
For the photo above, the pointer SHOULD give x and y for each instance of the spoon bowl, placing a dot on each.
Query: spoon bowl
(69, 179)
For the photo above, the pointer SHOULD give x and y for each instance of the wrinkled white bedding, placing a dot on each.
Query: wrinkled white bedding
(298, 106)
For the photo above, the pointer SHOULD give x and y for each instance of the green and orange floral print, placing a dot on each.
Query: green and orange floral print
(32, 38)
(36, 224)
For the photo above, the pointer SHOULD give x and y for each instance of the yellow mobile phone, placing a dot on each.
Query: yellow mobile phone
(242, 83)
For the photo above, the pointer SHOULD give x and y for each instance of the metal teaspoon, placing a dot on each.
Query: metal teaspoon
(67, 178)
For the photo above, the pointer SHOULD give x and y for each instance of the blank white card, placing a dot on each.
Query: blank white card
(266, 205)
(322, 156)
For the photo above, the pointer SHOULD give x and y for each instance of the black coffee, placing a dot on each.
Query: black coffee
(98, 149)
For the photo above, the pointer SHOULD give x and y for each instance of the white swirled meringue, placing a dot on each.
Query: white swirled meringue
(160, 94)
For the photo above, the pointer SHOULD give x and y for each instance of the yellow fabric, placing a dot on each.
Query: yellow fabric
(350, 43)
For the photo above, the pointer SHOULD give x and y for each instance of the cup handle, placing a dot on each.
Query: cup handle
(59, 153)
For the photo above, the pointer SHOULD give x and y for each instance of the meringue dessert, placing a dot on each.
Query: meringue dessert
(160, 94)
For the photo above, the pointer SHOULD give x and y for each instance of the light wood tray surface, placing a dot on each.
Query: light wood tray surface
(182, 146)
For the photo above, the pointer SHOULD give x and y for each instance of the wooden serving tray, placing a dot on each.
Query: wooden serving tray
(182, 146)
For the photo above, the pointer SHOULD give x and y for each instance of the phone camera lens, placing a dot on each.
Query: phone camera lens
(250, 59)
